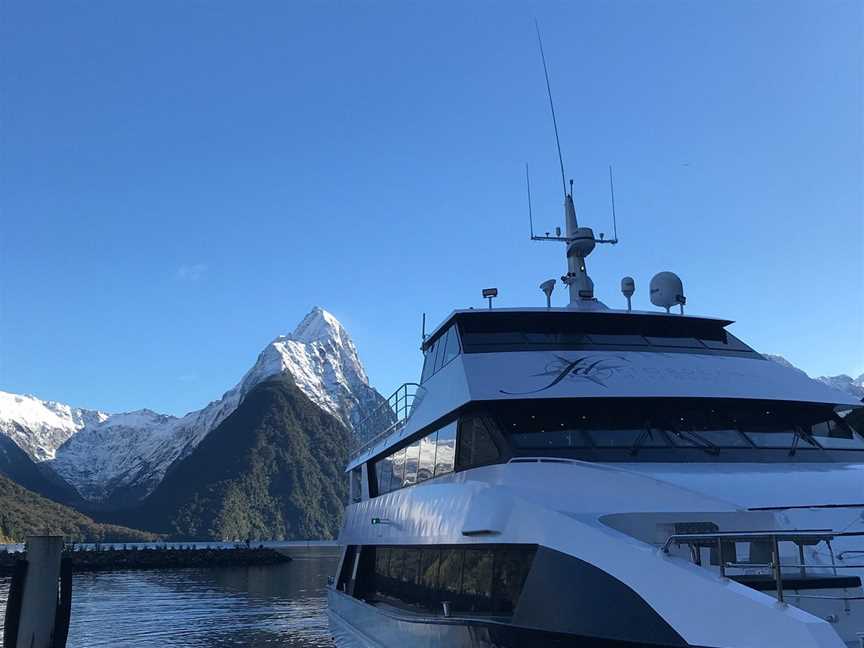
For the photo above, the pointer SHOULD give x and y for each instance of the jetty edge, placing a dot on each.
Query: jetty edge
(142, 558)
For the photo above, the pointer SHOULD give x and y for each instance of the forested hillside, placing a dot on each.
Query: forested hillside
(272, 469)
(23, 513)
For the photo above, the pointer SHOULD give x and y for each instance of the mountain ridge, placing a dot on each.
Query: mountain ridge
(114, 460)
(272, 469)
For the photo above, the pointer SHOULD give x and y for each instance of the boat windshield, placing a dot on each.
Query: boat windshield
(639, 425)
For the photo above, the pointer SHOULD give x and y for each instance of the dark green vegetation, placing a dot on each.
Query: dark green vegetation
(23, 513)
(272, 469)
(160, 558)
(40, 478)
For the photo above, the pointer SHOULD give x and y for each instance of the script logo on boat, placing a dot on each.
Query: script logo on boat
(593, 368)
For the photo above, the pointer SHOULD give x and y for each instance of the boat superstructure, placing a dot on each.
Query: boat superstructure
(584, 476)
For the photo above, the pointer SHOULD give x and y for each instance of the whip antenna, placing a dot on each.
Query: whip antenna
(530, 215)
(551, 106)
(612, 194)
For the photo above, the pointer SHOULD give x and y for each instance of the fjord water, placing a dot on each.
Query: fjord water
(234, 607)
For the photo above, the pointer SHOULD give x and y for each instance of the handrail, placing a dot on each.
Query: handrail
(386, 419)
(800, 537)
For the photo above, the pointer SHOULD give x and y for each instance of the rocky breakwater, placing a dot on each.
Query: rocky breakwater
(113, 559)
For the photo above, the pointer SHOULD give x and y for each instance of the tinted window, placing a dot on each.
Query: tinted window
(483, 332)
(835, 433)
(428, 364)
(445, 455)
(580, 427)
(412, 456)
(452, 348)
(766, 427)
(384, 474)
(429, 562)
(450, 571)
(691, 343)
(511, 569)
(727, 343)
(426, 467)
(398, 469)
(479, 579)
(424, 459)
(476, 446)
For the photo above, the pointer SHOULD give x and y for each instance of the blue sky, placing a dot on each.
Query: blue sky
(183, 181)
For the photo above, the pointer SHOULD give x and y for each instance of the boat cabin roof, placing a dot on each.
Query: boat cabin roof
(498, 322)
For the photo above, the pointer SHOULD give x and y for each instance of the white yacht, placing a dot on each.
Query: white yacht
(590, 477)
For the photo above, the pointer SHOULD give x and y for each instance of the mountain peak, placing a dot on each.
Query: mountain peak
(319, 324)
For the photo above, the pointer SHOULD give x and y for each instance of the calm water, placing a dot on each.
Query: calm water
(214, 608)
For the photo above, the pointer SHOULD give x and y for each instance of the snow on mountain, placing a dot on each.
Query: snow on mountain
(844, 383)
(40, 427)
(848, 384)
(126, 455)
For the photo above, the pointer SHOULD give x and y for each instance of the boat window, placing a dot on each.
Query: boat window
(476, 594)
(429, 561)
(452, 348)
(476, 447)
(684, 342)
(767, 427)
(398, 469)
(702, 426)
(835, 433)
(646, 429)
(617, 340)
(441, 352)
(475, 579)
(450, 571)
(445, 455)
(728, 343)
(426, 466)
(383, 474)
(484, 333)
(436, 351)
(412, 457)
(429, 456)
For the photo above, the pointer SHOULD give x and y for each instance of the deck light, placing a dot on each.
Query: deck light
(489, 293)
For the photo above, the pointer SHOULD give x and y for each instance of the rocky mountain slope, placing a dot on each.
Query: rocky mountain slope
(842, 382)
(271, 469)
(17, 465)
(115, 460)
(40, 427)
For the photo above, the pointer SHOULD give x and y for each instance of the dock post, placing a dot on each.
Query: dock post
(38, 595)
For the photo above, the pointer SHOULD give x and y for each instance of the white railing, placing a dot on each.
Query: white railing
(720, 542)
(385, 420)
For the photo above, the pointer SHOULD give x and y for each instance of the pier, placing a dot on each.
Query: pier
(168, 557)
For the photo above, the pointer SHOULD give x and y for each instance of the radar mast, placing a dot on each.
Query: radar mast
(580, 241)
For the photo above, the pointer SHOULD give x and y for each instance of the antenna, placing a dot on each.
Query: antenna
(612, 193)
(530, 215)
(423, 328)
(551, 106)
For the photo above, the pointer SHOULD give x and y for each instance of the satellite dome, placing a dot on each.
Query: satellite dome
(667, 290)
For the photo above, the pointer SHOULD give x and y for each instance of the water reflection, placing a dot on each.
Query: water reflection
(220, 608)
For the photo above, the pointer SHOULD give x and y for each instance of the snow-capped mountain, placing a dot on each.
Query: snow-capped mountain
(123, 457)
(842, 382)
(40, 427)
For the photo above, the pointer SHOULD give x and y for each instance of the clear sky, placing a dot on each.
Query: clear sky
(180, 182)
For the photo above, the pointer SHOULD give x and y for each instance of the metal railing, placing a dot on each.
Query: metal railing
(721, 541)
(386, 419)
